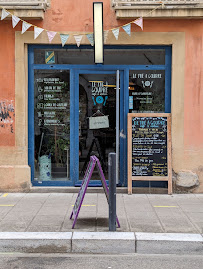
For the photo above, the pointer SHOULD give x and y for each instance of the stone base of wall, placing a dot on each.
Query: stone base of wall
(199, 172)
(188, 181)
(17, 178)
(14, 178)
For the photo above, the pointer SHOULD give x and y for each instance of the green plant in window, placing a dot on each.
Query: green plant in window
(58, 148)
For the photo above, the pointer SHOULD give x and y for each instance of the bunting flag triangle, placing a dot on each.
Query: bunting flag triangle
(127, 29)
(116, 33)
(106, 35)
(4, 14)
(37, 31)
(139, 22)
(64, 38)
(78, 39)
(51, 35)
(25, 27)
(90, 37)
(15, 20)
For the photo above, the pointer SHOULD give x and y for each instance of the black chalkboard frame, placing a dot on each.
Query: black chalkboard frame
(169, 166)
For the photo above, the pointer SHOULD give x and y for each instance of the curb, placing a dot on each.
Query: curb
(169, 243)
(101, 242)
(25, 242)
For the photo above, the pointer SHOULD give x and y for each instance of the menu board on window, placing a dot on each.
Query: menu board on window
(149, 147)
(51, 104)
(146, 91)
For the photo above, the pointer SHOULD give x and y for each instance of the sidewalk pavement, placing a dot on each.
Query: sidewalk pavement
(146, 221)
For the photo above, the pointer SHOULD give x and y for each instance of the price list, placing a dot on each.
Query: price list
(149, 146)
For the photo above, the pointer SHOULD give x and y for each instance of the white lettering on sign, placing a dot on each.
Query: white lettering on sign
(98, 88)
(142, 75)
(99, 122)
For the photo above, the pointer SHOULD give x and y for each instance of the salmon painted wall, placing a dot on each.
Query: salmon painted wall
(7, 85)
(77, 16)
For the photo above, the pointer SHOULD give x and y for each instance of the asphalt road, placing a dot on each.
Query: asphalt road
(70, 261)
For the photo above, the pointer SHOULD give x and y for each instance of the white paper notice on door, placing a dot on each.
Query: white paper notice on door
(98, 122)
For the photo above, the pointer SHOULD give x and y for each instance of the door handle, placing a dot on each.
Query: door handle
(122, 135)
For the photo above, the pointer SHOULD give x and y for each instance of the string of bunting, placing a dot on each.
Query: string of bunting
(78, 38)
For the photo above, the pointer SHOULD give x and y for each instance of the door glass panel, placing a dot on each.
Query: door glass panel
(52, 125)
(97, 120)
(146, 91)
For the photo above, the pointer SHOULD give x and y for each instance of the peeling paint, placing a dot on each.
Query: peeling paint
(7, 115)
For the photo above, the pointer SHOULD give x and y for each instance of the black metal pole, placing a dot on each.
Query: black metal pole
(112, 191)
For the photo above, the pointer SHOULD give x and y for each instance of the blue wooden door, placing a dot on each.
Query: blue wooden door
(95, 120)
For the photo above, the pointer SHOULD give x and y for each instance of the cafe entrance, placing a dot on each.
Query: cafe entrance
(78, 109)
(99, 118)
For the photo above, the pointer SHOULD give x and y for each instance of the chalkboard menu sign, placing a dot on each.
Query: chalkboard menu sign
(149, 147)
(84, 185)
(94, 161)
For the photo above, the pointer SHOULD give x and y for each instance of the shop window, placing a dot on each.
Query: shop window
(51, 125)
(146, 91)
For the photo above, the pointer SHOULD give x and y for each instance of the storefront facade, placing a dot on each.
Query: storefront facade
(52, 95)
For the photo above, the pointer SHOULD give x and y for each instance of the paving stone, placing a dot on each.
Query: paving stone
(44, 228)
(27, 207)
(162, 202)
(192, 207)
(146, 215)
(183, 227)
(86, 222)
(56, 211)
(48, 220)
(139, 207)
(18, 219)
(168, 211)
(13, 226)
(4, 211)
(67, 224)
(199, 226)
(135, 212)
(199, 195)
(196, 216)
(148, 227)
(16, 195)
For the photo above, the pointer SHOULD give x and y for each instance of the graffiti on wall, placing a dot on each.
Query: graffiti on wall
(7, 114)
